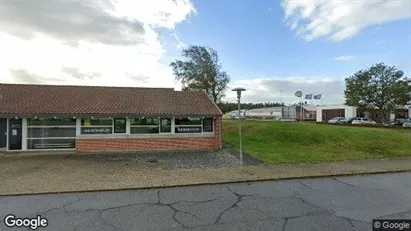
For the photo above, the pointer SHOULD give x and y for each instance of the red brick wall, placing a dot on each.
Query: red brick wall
(218, 132)
(90, 145)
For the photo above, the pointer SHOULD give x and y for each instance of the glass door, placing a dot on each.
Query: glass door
(3, 133)
(15, 134)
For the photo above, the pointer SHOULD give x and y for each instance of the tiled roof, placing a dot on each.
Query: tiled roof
(43, 100)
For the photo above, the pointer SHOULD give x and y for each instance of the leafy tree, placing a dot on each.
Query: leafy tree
(201, 71)
(379, 89)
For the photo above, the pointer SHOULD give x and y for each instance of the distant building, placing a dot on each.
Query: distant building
(309, 112)
(284, 113)
(325, 113)
(271, 112)
(235, 113)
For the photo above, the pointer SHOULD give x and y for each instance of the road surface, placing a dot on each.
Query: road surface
(343, 203)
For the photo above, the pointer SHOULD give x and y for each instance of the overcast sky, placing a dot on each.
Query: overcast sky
(313, 46)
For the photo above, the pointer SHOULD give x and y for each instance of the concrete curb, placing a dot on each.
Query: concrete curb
(214, 183)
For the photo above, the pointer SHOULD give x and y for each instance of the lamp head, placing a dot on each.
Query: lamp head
(238, 90)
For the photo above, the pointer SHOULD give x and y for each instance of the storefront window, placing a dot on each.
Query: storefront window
(96, 126)
(96, 122)
(165, 126)
(144, 126)
(36, 132)
(51, 143)
(120, 125)
(51, 133)
(51, 122)
(193, 125)
(146, 121)
(208, 125)
(188, 121)
(144, 129)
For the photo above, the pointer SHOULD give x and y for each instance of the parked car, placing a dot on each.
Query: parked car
(335, 120)
(395, 122)
(347, 120)
(360, 120)
(236, 117)
(407, 124)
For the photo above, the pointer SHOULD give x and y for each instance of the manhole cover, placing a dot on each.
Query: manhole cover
(152, 161)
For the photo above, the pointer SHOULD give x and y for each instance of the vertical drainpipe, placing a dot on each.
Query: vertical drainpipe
(24, 134)
(173, 124)
(127, 126)
(78, 126)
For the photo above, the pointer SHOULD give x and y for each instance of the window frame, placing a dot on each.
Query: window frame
(172, 120)
(134, 126)
(28, 138)
(197, 125)
(212, 125)
(114, 126)
(99, 126)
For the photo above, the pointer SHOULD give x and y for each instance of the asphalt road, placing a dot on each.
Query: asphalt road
(344, 203)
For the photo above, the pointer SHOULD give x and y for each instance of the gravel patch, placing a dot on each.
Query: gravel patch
(168, 159)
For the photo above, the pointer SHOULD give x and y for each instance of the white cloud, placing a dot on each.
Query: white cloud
(345, 58)
(82, 42)
(179, 44)
(269, 89)
(341, 19)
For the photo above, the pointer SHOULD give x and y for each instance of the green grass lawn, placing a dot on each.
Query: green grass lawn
(294, 142)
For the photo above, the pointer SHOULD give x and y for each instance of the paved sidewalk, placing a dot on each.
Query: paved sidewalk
(61, 173)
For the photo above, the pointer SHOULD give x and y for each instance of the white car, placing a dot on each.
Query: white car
(407, 124)
(335, 120)
(362, 121)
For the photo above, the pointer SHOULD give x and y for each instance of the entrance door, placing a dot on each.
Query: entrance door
(3, 133)
(15, 134)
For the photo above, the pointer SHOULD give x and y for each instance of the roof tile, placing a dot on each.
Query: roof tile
(26, 99)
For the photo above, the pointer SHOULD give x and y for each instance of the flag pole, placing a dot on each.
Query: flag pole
(322, 99)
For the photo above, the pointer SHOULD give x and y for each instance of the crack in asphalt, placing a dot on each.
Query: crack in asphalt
(342, 182)
(61, 207)
(235, 204)
(313, 205)
(175, 211)
(349, 221)
(106, 222)
(327, 211)
(158, 203)
(188, 216)
(239, 198)
(302, 183)
(285, 224)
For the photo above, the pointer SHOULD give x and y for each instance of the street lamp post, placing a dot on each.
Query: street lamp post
(239, 90)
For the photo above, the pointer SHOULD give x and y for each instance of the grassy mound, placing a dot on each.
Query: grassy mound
(293, 142)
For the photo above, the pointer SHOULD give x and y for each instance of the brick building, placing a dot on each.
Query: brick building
(91, 118)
